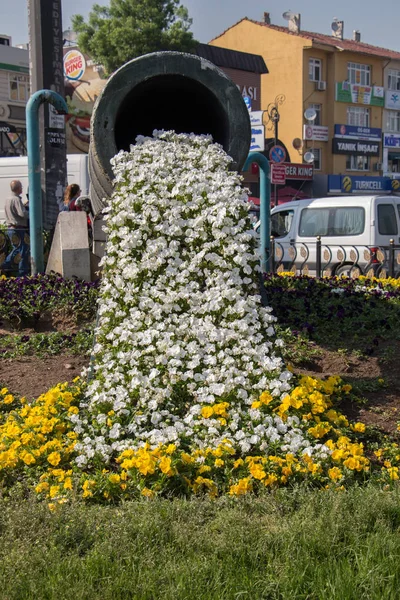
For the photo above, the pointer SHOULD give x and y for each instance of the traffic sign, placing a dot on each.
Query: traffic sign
(277, 154)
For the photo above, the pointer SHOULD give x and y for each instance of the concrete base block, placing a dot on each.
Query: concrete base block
(69, 254)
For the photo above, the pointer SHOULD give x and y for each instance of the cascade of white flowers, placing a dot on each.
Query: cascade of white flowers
(183, 344)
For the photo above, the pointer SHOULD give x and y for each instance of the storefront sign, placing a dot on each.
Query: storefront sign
(299, 171)
(46, 42)
(359, 94)
(392, 100)
(391, 140)
(278, 173)
(249, 90)
(256, 117)
(74, 65)
(316, 132)
(349, 184)
(257, 138)
(356, 147)
(6, 128)
(247, 101)
(355, 132)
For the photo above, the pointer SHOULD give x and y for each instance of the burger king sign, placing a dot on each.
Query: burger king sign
(74, 65)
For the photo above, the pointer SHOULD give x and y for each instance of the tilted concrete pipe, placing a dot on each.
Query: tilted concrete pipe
(170, 91)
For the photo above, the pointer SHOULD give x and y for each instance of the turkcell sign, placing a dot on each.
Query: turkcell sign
(356, 147)
(360, 133)
(349, 184)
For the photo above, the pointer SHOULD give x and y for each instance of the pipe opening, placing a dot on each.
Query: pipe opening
(170, 102)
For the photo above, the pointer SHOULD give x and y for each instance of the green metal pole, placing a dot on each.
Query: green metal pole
(265, 203)
(35, 191)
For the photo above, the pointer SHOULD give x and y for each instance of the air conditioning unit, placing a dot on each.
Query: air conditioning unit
(320, 86)
(378, 167)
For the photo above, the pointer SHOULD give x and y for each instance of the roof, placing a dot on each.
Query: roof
(232, 59)
(329, 40)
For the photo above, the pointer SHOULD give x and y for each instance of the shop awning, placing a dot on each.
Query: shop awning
(7, 127)
(285, 194)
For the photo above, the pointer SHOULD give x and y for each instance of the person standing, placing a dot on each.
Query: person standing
(71, 194)
(17, 263)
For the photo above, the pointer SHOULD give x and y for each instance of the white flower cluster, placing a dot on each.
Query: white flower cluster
(181, 325)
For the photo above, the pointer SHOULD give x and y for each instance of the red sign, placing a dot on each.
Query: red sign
(298, 171)
(278, 173)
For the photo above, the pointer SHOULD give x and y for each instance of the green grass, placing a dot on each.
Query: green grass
(292, 545)
(46, 344)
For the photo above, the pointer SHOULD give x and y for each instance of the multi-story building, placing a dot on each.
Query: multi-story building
(344, 82)
(391, 119)
(14, 94)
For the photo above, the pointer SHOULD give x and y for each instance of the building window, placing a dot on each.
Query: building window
(19, 87)
(393, 80)
(358, 163)
(393, 120)
(358, 73)
(314, 69)
(317, 158)
(358, 116)
(317, 108)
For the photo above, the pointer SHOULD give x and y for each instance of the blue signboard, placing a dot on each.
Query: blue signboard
(358, 184)
(391, 140)
(247, 101)
(358, 133)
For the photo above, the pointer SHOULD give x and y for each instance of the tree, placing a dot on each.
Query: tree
(129, 28)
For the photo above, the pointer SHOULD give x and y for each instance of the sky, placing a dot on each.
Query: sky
(377, 21)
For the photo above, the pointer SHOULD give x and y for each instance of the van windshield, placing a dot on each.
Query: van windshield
(281, 223)
(332, 221)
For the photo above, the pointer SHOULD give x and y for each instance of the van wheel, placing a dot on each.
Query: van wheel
(348, 270)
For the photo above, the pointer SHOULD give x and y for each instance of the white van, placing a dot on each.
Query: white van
(355, 233)
(16, 167)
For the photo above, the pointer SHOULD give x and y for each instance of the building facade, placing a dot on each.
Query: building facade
(14, 94)
(345, 82)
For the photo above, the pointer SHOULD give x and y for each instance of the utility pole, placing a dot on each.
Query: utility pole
(46, 73)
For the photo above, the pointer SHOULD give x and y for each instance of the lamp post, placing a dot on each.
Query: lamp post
(274, 118)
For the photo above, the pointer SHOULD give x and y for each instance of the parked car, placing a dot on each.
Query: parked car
(355, 233)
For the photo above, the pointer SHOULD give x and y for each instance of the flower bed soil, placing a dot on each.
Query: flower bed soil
(31, 376)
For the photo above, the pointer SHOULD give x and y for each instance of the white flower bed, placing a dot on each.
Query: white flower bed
(181, 325)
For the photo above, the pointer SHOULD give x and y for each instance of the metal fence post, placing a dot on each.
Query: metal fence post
(272, 254)
(318, 257)
(391, 258)
(265, 203)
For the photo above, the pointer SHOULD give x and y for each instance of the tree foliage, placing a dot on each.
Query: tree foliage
(129, 28)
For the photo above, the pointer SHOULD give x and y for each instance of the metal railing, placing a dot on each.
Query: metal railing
(319, 259)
